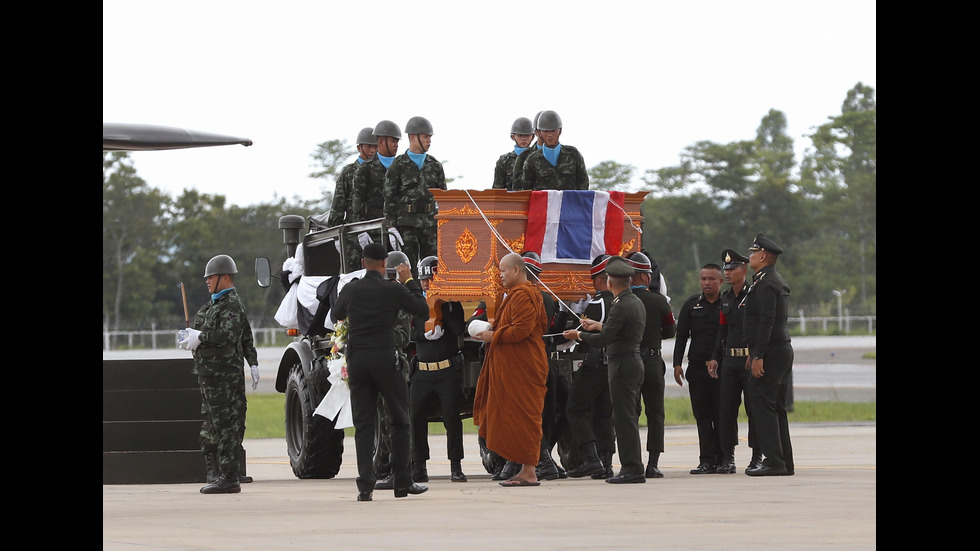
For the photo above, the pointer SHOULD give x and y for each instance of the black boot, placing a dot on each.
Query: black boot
(212, 468)
(419, 472)
(605, 457)
(226, 484)
(546, 468)
(756, 460)
(509, 470)
(727, 465)
(456, 470)
(590, 462)
(653, 469)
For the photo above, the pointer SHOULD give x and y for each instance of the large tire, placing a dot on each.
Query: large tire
(316, 448)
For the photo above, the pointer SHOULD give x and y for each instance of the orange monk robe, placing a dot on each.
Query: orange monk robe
(510, 391)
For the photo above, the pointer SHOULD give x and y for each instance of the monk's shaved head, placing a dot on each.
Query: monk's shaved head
(510, 260)
(512, 270)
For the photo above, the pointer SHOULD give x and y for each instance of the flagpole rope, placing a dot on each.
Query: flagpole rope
(506, 246)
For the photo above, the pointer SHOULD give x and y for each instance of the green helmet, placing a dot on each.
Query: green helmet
(534, 125)
(395, 258)
(522, 125)
(220, 265)
(366, 137)
(549, 120)
(418, 125)
(387, 128)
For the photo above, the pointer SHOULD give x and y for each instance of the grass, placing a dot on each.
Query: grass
(265, 417)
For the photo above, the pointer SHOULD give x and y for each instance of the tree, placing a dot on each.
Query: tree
(610, 175)
(331, 156)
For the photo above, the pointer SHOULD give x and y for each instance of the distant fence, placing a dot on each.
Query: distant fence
(276, 336)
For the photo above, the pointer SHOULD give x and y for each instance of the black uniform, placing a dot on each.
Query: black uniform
(731, 353)
(659, 325)
(698, 320)
(767, 335)
(621, 335)
(371, 306)
(589, 408)
(437, 375)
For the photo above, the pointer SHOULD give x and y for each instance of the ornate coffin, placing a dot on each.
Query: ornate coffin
(472, 229)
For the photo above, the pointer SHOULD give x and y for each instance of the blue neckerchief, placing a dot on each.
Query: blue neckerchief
(551, 154)
(519, 150)
(385, 160)
(639, 287)
(219, 294)
(419, 158)
(360, 161)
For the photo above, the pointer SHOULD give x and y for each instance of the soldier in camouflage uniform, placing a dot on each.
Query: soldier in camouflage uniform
(409, 207)
(342, 211)
(517, 171)
(522, 132)
(367, 198)
(554, 165)
(221, 341)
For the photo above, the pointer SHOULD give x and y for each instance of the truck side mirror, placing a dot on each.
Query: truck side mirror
(263, 272)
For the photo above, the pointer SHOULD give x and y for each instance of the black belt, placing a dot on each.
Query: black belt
(644, 351)
(737, 352)
(624, 355)
(419, 207)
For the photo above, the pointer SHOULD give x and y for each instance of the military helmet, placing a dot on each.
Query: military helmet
(640, 262)
(427, 267)
(387, 128)
(549, 120)
(395, 258)
(220, 265)
(534, 125)
(522, 125)
(418, 125)
(532, 261)
(366, 137)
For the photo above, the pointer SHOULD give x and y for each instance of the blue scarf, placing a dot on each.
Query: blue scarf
(419, 158)
(219, 294)
(551, 154)
(519, 150)
(386, 161)
(360, 161)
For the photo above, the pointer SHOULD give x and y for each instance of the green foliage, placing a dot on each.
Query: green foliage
(610, 175)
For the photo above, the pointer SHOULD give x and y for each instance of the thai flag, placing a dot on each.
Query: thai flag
(574, 226)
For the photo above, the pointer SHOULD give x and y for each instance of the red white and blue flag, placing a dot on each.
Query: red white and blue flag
(574, 226)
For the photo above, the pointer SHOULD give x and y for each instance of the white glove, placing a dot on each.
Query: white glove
(579, 306)
(395, 239)
(364, 239)
(255, 377)
(191, 339)
(435, 334)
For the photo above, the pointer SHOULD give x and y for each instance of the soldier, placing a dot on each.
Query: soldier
(698, 321)
(517, 173)
(409, 207)
(522, 132)
(554, 165)
(729, 360)
(659, 325)
(437, 376)
(367, 201)
(221, 341)
(770, 357)
(589, 407)
(621, 335)
(342, 211)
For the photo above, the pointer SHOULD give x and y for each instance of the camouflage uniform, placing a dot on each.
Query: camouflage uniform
(342, 211)
(517, 172)
(410, 207)
(367, 199)
(568, 173)
(504, 170)
(226, 344)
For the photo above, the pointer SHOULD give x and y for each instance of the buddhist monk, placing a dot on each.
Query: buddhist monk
(511, 388)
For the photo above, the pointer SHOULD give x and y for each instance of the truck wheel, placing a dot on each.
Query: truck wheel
(316, 448)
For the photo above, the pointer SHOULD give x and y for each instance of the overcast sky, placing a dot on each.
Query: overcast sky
(634, 82)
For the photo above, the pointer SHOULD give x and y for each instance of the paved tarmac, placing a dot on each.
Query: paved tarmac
(831, 501)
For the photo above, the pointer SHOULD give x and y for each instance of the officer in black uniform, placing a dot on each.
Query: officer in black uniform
(770, 357)
(659, 325)
(698, 321)
(589, 408)
(371, 306)
(621, 335)
(729, 360)
(437, 376)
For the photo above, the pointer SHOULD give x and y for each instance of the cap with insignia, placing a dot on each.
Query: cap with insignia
(732, 259)
(375, 251)
(599, 265)
(617, 266)
(640, 262)
(532, 260)
(763, 243)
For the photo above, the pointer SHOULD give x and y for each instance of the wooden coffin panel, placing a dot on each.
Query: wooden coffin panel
(470, 251)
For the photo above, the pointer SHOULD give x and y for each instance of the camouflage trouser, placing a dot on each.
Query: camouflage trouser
(419, 243)
(223, 405)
